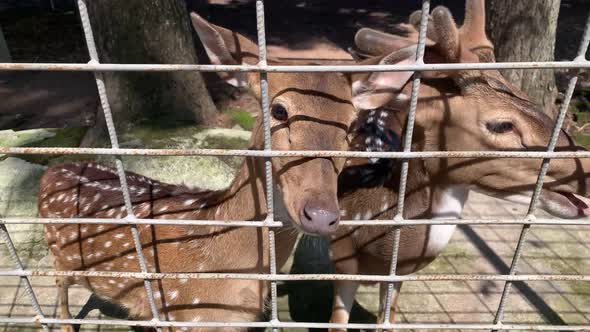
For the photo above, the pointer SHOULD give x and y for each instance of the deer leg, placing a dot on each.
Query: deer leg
(345, 261)
(62, 284)
(383, 299)
(344, 292)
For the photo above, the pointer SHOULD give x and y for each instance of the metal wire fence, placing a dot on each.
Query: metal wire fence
(398, 221)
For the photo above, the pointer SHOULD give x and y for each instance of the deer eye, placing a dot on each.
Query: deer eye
(501, 127)
(279, 112)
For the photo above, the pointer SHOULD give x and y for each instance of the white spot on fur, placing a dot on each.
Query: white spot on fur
(164, 208)
(119, 236)
(108, 244)
(173, 294)
(196, 300)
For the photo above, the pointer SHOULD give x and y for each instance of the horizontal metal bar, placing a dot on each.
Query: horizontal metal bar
(245, 223)
(112, 67)
(130, 221)
(284, 154)
(278, 324)
(292, 277)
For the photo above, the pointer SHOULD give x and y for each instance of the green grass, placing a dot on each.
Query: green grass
(242, 118)
(582, 139)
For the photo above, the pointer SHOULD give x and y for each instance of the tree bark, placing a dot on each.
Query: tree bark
(524, 30)
(4, 52)
(151, 32)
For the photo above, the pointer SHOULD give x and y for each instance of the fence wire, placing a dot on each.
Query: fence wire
(269, 223)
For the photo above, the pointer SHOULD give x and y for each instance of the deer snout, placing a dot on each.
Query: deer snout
(320, 218)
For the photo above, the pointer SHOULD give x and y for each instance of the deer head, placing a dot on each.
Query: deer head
(471, 111)
(308, 112)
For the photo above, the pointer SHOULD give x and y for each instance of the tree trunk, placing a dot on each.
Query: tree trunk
(152, 32)
(4, 53)
(524, 30)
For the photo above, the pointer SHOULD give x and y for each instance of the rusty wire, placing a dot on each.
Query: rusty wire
(272, 276)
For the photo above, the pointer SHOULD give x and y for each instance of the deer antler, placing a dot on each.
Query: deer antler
(443, 30)
(378, 43)
(447, 34)
(473, 32)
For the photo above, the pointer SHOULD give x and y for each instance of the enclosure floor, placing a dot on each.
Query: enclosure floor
(473, 249)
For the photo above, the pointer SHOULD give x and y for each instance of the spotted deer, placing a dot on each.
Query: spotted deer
(456, 111)
(309, 112)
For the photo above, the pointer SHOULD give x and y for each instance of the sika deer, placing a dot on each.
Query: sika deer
(464, 110)
(309, 112)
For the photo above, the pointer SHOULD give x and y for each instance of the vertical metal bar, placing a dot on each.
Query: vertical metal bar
(406, 163)
(543, 171)
(5, 236)
(90, 42)
(260, 27)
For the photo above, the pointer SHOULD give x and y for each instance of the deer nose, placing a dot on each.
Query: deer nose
(321, 219)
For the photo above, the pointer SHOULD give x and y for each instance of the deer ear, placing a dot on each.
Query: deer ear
(377, 89)
(224, 47)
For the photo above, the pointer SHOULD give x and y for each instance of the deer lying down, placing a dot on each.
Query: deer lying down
(309, 112)
(465, 110)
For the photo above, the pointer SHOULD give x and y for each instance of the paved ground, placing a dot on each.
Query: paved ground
(473, 249)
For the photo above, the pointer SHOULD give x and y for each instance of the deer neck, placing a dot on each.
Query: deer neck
(428, 193)
(243, 200)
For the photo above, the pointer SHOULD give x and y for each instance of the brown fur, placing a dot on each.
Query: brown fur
(453, 114)
(320, 114)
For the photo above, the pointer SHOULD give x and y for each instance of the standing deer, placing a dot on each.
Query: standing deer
(309, 112)
(457, 111)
